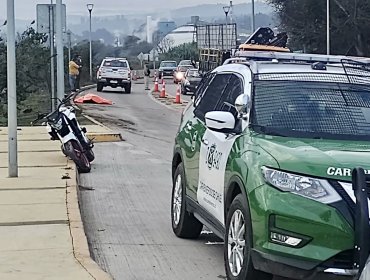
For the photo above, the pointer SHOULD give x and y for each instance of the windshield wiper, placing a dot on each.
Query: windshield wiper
(267, 130)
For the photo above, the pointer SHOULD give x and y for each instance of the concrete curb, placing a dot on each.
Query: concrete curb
(168, 101)
(95, 121)
(81, 251)
(104, 137)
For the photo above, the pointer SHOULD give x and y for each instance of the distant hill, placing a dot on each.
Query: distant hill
(209, 11)
(129, 23)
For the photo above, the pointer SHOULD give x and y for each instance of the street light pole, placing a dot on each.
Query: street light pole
(231, 12)
(12, 93)
(253, 18)
(227, 10)
(90, 8)
(328, 27)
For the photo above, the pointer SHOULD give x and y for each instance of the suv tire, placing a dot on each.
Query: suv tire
(184, 224)
(242, 244)
(128, 88)
(99, 87)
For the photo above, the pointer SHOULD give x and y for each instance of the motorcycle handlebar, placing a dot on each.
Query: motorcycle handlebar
(39, 117)
(61, 103)
(64, 100)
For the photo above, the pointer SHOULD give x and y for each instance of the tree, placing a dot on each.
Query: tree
(33, 60)
(305, 22)
(184, 51)
(33, 76)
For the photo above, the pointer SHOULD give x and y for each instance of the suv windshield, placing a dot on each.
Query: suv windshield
(168, 64)
(312, 109)
(115, 63)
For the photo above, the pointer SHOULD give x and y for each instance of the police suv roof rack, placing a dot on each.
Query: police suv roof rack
(235, 60)
(296, 57)
(109, 57)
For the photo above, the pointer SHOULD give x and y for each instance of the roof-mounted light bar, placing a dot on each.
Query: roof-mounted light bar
(279, 56)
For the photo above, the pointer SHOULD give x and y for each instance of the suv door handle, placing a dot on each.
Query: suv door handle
(205, 142)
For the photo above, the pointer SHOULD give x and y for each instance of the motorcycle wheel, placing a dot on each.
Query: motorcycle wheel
(74, 152)
(90, 155)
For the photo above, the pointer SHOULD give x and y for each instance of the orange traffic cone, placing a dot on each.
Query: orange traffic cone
(156, 86)
(163, 91)
(178, 99)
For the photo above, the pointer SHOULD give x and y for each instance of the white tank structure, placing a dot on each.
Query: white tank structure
(181, 35)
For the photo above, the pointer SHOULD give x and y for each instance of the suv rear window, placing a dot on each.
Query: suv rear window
(185, 62)
(168, 64)
(312, 109)
(115, 63)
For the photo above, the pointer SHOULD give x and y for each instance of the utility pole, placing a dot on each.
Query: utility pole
(12, 93)
(60, 54)
(328, 27)
(253, 18)
(52, 60)
(90, 8)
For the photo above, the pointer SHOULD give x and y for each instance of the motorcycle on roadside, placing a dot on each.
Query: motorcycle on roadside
(62, 125)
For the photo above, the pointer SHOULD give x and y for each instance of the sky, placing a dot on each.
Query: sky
(26, 9)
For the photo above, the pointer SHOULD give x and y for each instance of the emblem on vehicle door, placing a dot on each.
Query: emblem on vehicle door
(194, 141)
(213, 157)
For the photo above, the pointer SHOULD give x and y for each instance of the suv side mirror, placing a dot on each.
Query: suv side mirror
(242, 104)
(220, 120)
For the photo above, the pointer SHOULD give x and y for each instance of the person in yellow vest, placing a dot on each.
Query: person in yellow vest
(74, 70)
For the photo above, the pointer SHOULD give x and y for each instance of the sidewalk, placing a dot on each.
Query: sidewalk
(42, 235)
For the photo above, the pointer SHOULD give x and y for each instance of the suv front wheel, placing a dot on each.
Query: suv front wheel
(238, 243)
(99, 87)
(128, 88)
(184, 224)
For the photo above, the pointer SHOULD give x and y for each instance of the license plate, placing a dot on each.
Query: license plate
(113, 82)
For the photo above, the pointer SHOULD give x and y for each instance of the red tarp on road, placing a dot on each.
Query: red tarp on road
(93, 98)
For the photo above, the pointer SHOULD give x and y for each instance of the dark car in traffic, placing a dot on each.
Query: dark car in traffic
(167, 68)
(191, 80)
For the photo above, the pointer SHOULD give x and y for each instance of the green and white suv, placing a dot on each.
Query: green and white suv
(263, 157)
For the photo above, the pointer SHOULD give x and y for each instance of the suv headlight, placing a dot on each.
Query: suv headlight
(312, 188)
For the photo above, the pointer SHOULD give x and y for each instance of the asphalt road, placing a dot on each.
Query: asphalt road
(125, 200)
